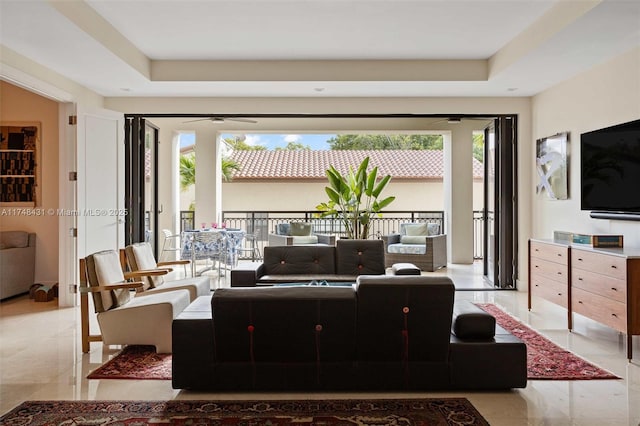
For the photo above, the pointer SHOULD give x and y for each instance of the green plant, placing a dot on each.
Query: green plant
(354, 198)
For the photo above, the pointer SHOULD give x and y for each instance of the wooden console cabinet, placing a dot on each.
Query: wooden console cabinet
(549, 274)
(600, 284)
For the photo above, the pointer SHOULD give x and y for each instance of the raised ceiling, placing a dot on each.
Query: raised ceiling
(319, 48)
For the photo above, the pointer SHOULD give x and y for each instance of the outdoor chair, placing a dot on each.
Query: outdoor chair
(298, 233)
(125, 317)
(142, 265)
(171, 243)
(419, 243)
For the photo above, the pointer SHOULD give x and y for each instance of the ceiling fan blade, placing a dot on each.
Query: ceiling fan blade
(199, 119)
(242, 120)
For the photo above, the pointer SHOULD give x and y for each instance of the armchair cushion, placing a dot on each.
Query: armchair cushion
(407, 248)
(413, 239)
(283, 229)
(304, 239)
(433, 229)
(104, 270)
(301, 229)
(140, 257)
(415, 229)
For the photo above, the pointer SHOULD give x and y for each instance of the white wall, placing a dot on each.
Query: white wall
(606, 95)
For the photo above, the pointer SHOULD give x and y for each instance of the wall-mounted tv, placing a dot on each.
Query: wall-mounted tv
(610, 169)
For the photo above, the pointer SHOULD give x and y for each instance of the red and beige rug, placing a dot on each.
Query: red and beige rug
(399, 412)
(545, 359)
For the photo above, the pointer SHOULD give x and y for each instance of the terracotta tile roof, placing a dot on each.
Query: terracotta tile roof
(308, 164)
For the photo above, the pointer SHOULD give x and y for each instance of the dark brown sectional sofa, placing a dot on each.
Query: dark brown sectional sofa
(383, 333)
(289, 264)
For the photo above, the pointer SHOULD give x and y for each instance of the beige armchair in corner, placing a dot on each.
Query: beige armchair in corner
(298, 233)
(17, 262)
(419, 243)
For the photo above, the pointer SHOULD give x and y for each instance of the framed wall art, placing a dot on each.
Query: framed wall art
(551, 166)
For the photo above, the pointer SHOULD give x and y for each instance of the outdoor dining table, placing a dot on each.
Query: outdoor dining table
(219, 244)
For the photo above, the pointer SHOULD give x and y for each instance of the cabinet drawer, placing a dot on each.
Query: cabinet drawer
(604, 264)
(602, 285)
(553, 271)
(600, 309)
(552, 291)
(551, 252)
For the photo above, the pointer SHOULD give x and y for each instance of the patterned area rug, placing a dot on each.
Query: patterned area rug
(388, 412)
(545, 359)
(135, 362)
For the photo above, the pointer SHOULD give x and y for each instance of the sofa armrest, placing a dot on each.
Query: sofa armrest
(469, 322)
(326, 239)
(247, 274)
(280, 240)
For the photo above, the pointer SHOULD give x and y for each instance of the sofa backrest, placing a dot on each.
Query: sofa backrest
(404, 318)
(16, 239)
(360, 257)
(284, 324)
(312, 259)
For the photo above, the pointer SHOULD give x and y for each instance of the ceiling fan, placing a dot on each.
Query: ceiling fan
(223, 119)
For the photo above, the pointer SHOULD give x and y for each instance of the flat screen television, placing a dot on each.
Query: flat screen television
(610, 169)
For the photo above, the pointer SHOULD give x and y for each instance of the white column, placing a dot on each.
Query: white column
(458, 184)
(208, 184)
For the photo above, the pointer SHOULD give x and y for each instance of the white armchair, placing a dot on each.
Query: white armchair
(124, 319)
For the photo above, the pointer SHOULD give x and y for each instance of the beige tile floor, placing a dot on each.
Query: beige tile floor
(41, 359)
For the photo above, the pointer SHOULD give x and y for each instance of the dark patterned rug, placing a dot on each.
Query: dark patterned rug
(386, 412)
(545, 359)
(135, 362)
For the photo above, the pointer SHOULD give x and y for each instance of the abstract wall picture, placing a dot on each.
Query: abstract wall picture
(551, 166)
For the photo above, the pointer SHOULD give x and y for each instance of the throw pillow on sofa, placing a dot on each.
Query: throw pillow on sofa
(433, 229)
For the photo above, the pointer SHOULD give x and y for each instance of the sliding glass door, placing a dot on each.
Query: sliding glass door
(501, 203)
(141, 181)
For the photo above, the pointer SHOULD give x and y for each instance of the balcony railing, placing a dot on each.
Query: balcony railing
(261, 223)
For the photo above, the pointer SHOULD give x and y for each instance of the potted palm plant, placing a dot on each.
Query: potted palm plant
(354, 198)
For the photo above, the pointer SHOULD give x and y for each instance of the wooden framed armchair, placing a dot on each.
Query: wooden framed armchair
(419, 243)
(123, 317)
(138, 258)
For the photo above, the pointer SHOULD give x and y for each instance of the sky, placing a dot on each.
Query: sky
(272, 140)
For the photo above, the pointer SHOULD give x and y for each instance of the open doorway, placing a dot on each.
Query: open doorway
(300, 124)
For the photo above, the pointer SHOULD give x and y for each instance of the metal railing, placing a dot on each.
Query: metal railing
(261, 223)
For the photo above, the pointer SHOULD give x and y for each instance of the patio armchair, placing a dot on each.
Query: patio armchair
(123, 316)
(419, 243)
(298, 233)
(138, 258)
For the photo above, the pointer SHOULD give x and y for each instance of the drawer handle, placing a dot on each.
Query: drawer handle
(536, 250)
(614, 315)
(536, 285)
(560, 254)
(614, 266)
(559, 273)
(580, 259)
(559, 294)
(614, 289)
(580, 302)
(579, 278)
